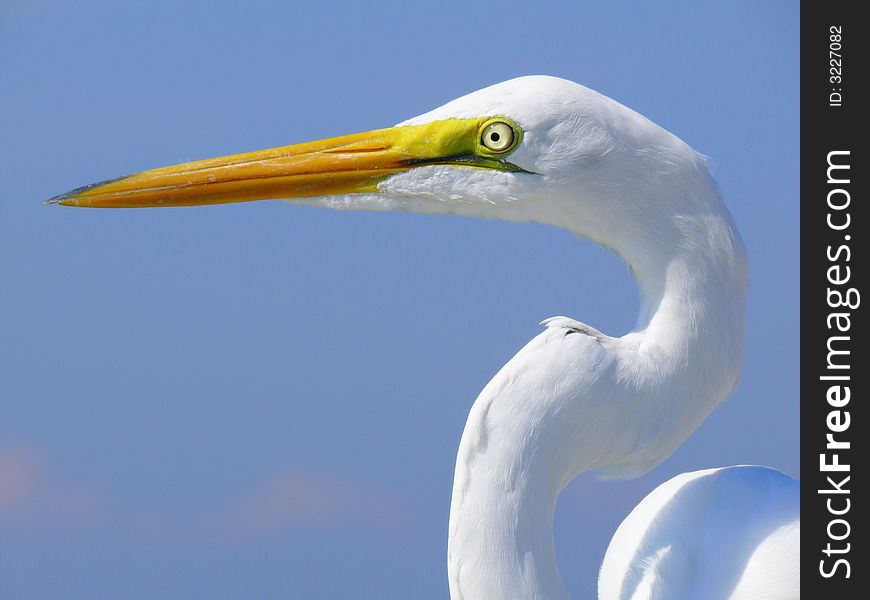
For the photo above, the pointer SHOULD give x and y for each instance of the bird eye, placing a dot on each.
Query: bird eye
(497, 136)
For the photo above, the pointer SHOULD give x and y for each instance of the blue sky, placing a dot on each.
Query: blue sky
(265, 401)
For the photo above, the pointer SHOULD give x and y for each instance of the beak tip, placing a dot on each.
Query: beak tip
(72, 197)
(68, 199)
(59, 200)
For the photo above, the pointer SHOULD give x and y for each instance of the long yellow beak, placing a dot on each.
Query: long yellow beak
(349, 164)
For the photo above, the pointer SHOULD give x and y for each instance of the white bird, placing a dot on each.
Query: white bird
(573, 399)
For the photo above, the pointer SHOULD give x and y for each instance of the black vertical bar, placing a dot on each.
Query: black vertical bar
(834, 261)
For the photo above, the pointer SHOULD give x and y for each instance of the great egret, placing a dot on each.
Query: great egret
(573, 399)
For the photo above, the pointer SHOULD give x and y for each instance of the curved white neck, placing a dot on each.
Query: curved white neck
(501, 534)
(683, 358)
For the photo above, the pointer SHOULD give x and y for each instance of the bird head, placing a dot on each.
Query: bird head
(529, 149)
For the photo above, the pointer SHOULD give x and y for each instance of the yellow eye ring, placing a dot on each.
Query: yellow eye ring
(498, 136)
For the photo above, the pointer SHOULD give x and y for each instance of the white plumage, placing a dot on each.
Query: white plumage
(573, 399)
(723, 533)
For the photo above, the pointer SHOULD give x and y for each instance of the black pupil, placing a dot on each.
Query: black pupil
(494, 136)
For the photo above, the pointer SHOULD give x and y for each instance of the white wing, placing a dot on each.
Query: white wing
(720, 534)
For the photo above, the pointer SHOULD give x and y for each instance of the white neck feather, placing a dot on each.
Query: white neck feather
(519, 450)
